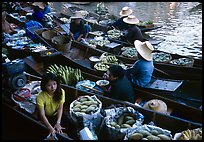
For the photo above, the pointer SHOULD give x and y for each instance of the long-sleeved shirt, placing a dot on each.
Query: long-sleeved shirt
(141, 72)
(121, 89)
(120, 24)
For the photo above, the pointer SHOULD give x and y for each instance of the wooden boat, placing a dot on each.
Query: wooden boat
(176, 71)
(79, 56)
(180, 110)
(99, 18)
(170, 123)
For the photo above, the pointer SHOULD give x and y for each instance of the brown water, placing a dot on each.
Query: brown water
(181, 22)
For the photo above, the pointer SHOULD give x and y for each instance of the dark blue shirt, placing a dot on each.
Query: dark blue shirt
(121, 89)
(38, 16)
(120, 24)
(141, 72)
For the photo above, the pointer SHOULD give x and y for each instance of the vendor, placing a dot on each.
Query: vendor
(38, 14)
(47, 8)
(78, 29)
(120, 24)
(133, 32)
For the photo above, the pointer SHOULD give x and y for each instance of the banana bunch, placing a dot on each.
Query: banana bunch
(191, 135)
(66, 74)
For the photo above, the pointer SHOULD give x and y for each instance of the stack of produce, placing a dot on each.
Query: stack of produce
(114, 34)
(161, 57)
(183, 62)
(129, 52)
(148, 132)
(66, 74)
(194, 134)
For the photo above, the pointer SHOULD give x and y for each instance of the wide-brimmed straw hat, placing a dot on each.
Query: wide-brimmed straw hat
(77, 15)
(125, 11)
(156, 105)
(144, 49)
(131, 19)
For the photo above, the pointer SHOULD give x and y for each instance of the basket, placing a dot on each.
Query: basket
(185, 62)
(48, 35)
(161, 57)
(61, 43)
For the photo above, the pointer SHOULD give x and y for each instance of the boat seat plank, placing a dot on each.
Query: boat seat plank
(164, 84)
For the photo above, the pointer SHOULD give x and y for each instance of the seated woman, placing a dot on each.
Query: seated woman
(78, 29)
(121, 88)
(141, 72)
(133, 32)
(120, 24)
(50, 103)
(6, 26)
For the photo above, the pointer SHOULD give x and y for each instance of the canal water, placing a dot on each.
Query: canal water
(181, 22)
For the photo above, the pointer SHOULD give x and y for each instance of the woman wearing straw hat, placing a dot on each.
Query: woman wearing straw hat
(120, 24)
(133, 32)
(141, 72)
(156, 105)
(78, 29)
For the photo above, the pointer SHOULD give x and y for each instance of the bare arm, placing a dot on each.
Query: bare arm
(59, 117)
(45, 120)
(79, 38)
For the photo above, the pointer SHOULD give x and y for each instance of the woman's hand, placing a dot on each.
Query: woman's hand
(58, 127)
(52, 130)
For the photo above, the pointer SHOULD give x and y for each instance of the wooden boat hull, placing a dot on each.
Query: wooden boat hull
(179, 110)
(170, 123)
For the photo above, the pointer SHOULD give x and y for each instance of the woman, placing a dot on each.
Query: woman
(120, 24)
(141, 72)
(50, 103)
(133, 32)
(78, 30)
(120, 86)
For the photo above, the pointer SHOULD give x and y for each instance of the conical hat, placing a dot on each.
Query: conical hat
(77, 15)
(131, 19)
(156, 105)
(144, 49)
(125, 11)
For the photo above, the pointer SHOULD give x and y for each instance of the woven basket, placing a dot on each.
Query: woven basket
(48, 35)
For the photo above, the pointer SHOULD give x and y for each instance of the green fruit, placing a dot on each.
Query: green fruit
(154, 132)
(129, 118)
(136, 136)
(151, 137)
(164, 137)
(113, 123)
(125, 126)
(145, 133)
(130, 122)
(144, 139)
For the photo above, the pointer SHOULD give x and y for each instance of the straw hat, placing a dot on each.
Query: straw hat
(156, 105)
(125, 11)
(77, 15)
(131, 19)
(144, 49)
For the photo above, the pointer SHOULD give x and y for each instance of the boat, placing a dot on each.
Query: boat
(108, 17)
(86, 63)
(170, 123)
(39, 68)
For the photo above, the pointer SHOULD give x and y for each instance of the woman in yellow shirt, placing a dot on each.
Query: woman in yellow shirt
(50, 103)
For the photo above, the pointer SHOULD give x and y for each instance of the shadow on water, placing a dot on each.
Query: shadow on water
(196, 8)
